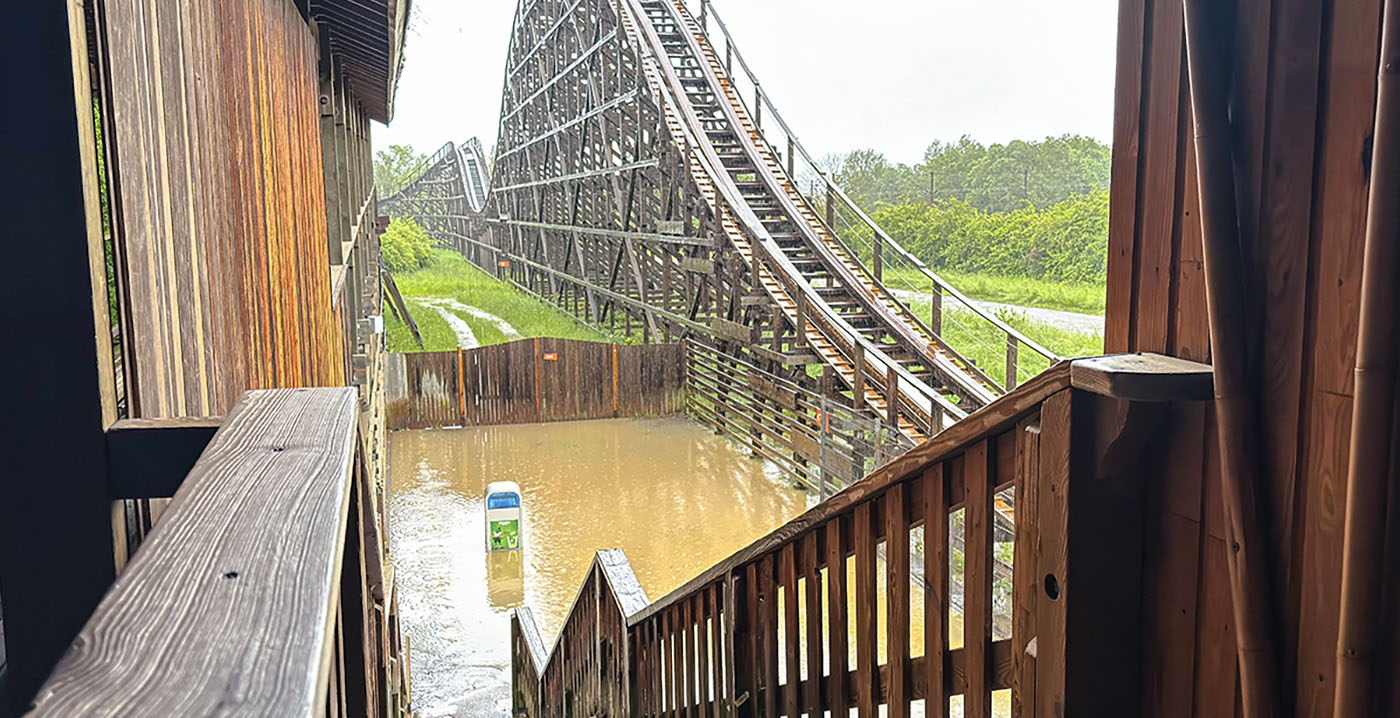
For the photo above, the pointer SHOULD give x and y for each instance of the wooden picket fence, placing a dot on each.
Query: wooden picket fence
(534, 380)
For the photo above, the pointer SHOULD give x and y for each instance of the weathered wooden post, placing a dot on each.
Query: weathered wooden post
(830, 205)
(892, 395)
(1011, 362)
(877, 266)
(935, 321)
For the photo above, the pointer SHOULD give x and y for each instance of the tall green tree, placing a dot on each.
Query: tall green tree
(395, 166)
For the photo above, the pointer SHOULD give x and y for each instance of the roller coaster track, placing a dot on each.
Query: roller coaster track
(632, 180)
(455, 177)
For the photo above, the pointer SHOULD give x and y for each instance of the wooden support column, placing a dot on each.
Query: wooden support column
(340, 137)
(326, 101)
(935, 321)
(877, 265)
(57, 537)
(858, 383)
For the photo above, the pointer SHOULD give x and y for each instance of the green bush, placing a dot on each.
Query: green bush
(405, 246)
(1065, 242)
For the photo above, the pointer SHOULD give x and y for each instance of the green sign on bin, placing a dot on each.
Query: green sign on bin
(505, 534)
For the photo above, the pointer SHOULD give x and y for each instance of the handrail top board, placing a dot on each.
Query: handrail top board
(227, 607)
(1143, 377)
(531, 633)
(1140, 377)
(613, 567)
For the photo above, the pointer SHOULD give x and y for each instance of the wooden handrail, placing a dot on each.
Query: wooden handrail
(266, 563)
(1074, 443)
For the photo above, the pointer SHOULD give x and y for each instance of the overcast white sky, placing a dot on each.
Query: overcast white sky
(891, 75)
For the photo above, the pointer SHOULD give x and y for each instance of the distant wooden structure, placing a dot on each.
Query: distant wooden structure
(197, 186)
(533, 380)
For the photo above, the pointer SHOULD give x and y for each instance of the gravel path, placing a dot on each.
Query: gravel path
(1069, 321)
(481, 314)
(466, 339)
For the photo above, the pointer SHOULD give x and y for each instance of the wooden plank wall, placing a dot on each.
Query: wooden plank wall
(1304, 113)
(219, 202)
(533, 380)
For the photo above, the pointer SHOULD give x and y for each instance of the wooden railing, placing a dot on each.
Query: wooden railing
(767, 632)
(262, 591)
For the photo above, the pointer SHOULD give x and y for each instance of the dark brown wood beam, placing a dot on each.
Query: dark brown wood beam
(56, 532)
(150, 458)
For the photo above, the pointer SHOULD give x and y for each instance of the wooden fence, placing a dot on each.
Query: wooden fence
(534, 380)
(813, 435)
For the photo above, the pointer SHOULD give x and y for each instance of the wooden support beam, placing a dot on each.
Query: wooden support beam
(150, 458)
(57, 538)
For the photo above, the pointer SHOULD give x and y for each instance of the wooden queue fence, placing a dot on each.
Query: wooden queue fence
(534, 380)
(792, 624)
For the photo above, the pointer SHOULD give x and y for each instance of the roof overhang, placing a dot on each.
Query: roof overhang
(366, 40)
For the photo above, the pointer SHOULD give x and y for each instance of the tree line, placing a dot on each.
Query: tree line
(1022, 209)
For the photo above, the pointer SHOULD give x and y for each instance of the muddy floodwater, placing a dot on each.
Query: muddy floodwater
(669, 492)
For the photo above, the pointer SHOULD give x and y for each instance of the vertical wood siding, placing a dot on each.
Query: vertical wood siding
(219, 202)
(1303, 117)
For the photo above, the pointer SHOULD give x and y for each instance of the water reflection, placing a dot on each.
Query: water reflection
(675, 497)
(505, 579)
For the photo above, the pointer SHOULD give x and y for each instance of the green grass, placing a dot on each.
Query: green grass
(985, 345)
(1023, 291)
(450, 275)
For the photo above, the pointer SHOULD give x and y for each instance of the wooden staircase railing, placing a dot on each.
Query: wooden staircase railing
(755, 634)
(263, 590)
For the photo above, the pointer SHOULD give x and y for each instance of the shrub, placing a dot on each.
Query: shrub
(405, 246)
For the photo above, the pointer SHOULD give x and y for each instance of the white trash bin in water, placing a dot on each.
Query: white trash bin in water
(503, 516)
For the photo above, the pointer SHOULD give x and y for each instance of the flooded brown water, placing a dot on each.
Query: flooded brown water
(674, 496)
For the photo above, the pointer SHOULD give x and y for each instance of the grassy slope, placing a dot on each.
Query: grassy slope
(452, 276)
(449, 275)
(1023, 291)
(985, 346)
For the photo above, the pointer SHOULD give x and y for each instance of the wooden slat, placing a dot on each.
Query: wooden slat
(1171, 560)
(812, 621)
(897, 593)
(768, 636)
(997, 416)
(787, 573)
(837, 616)
(1025, 567)
(936, 594)
(1123, 200)
(276, 474)
(1052, 519)
(977, 581)
(867, 642)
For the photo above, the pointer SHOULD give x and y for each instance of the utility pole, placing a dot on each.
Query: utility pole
(930, 187)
